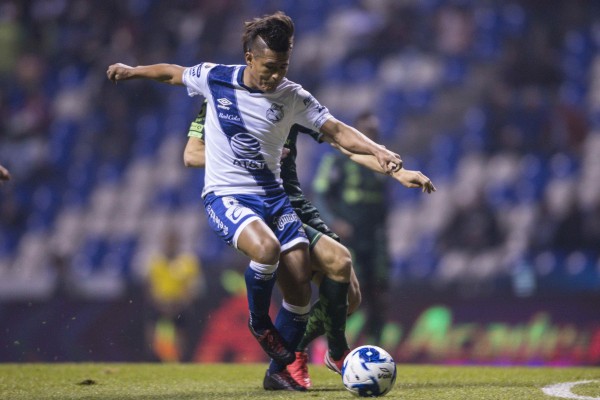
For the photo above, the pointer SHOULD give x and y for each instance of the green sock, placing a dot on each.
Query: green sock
(334, 297)
(328, 316)
(315, 326)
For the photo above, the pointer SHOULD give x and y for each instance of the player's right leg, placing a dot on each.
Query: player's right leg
(339, 294)
(241, 227)
(338, 289)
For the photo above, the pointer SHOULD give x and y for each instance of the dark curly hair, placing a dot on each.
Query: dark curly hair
(277, 30)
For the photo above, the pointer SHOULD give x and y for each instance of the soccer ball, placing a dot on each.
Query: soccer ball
(369, 371)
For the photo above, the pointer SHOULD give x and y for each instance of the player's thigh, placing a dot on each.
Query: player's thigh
(331, 258)
(258, 242)
(294, 274)
(241, 227)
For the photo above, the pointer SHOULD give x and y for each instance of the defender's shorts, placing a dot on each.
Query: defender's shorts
(312, 234)
(229, 215)
(310, 216)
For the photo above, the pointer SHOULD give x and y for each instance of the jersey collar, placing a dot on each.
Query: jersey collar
(240, 79)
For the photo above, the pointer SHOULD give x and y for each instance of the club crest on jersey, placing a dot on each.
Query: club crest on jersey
(275, 113)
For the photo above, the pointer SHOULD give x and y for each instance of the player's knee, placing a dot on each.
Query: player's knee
(300, 297)
(266, 251)
(341, 265)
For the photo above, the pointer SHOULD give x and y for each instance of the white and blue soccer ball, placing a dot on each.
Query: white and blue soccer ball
(369, 371)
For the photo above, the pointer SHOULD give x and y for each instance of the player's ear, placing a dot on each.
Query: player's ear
(248, 57)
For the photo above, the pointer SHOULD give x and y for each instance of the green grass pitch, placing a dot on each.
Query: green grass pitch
(243, 381)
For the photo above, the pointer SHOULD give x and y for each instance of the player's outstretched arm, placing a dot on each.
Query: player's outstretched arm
(349, 138)
(407, 177)
(166, 73)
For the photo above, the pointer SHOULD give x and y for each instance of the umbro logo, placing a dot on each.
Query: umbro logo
(224, 103)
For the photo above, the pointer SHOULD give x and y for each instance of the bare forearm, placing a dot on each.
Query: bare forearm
(194, 160)
(408, 178)
(194, 154)
(166, 73)
(366, 160)
(353, 141)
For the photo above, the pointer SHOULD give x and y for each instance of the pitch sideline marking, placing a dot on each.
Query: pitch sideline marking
(564, 390)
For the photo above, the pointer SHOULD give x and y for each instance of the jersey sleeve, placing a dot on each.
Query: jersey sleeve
(195, 79)
(197, 126)
(309, 112)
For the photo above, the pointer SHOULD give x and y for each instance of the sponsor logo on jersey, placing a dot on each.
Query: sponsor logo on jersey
(229, 117)
(285, 219)
(216, 220)
(224, 103)
(249, 164)
(245, 145)
(275, 113)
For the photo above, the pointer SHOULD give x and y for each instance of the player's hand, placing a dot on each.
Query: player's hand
(119, 72)
(389, 161)
(414, 179)
(4, 174)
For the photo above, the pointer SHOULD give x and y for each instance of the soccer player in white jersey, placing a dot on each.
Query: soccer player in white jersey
(251, 109)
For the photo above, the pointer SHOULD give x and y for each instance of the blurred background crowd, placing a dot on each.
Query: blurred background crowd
(498, 102)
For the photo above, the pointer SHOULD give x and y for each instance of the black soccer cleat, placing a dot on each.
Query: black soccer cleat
(281, 381)
(274, 345)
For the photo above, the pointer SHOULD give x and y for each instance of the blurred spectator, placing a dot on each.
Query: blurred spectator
(569, 232)
(354, 200)
(24, 135)
(472, 227)
(544, 229)
(174, 282)
(578, 229)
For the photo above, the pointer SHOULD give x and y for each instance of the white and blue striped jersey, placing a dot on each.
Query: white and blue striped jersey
(247, 128)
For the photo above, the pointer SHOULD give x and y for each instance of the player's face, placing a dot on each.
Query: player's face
(267, 69)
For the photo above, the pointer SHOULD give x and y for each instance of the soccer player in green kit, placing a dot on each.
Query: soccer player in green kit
(339, 291)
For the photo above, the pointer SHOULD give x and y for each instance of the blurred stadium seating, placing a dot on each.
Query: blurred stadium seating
(498, 102)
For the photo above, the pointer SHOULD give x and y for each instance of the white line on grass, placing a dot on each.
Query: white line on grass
(564, 390)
